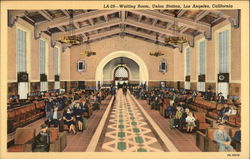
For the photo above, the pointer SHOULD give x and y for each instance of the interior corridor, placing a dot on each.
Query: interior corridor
(129, 128)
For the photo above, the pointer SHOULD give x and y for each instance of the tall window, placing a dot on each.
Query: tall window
(202, 63)
(223, 51)
(202, 57)
(42, 49)
(56, 67)
(56, 53)
(187, 61)
(21, 61)
(42, 65)
(21, 50)
(187, 83)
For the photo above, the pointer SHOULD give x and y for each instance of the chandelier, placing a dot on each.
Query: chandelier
(176, 39)
(87, 50)
(70, 38)
(157, 52)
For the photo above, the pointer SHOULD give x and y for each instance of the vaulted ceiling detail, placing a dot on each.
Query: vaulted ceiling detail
(142, 24)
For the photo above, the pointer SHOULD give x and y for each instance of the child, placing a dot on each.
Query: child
(190, 122)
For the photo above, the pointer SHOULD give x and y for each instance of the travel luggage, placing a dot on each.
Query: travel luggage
(171, 123)
(84, 123)
(61, 126)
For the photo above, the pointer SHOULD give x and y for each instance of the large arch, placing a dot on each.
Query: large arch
(143, 71)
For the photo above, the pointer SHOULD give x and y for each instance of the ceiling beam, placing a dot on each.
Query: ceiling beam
(154, 22)
(181, 13)
(183, 30)
(201, 15)
(82, 17)
(153, 28)
(144, 35)
(140, 17)
(148, 27)
(110, 23)
(171, 19)
(61, 28)
(232, 15)
(45, 15)
(104, 34)
(123, 15)
(65, 12)
(13, 16)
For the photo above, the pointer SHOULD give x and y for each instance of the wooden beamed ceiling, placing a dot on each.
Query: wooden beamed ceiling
(143, 24)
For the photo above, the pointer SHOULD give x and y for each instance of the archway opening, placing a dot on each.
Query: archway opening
(121, 76)
(136, 68)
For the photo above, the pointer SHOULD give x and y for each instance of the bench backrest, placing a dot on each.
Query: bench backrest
(23, 135)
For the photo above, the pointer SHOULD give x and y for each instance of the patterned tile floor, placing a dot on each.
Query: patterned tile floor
(128, 130)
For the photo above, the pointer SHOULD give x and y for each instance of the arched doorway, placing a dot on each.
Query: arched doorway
(138, 73)
(121, 76)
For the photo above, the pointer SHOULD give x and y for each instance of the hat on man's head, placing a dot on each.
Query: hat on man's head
(43, 126)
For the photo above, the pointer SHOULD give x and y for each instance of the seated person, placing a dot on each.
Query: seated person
(84, 106)
(158, 103)
(170, 110)
(223, 139)
(177, 118)
(78, 115)
(69, 120)
(222, 112)
(55, 117)
(236, 139)
(42, 140)
(190, 122)
(183, 118)
(232, 111)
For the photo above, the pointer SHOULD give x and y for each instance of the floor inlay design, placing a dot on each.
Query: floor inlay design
(128, 130)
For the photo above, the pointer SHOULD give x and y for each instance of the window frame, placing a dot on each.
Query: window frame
(84, 65)
(163, 70)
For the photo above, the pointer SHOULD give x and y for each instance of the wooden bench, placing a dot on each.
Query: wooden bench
(201, 118)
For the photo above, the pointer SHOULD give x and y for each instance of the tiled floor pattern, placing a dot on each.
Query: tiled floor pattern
(128, 130)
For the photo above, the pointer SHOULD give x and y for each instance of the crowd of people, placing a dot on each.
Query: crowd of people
(75, 111)
(181, 115)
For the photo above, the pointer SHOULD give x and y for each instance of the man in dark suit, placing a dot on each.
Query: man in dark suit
(222, 112)
(221, 98)
(49, 109)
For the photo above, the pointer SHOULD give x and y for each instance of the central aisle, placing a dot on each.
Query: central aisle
(128, 129)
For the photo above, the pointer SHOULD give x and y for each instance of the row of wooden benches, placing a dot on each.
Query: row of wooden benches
(211, 109)
(205, 140)
(24, 140)
(199, 116)
(21, 116)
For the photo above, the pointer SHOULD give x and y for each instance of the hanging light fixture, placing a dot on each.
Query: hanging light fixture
(157, 52)
(87, 50)
(176, 39)
(121, 64)
(70, 38)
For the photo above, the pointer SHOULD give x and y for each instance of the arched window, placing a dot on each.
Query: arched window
(121, 73)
